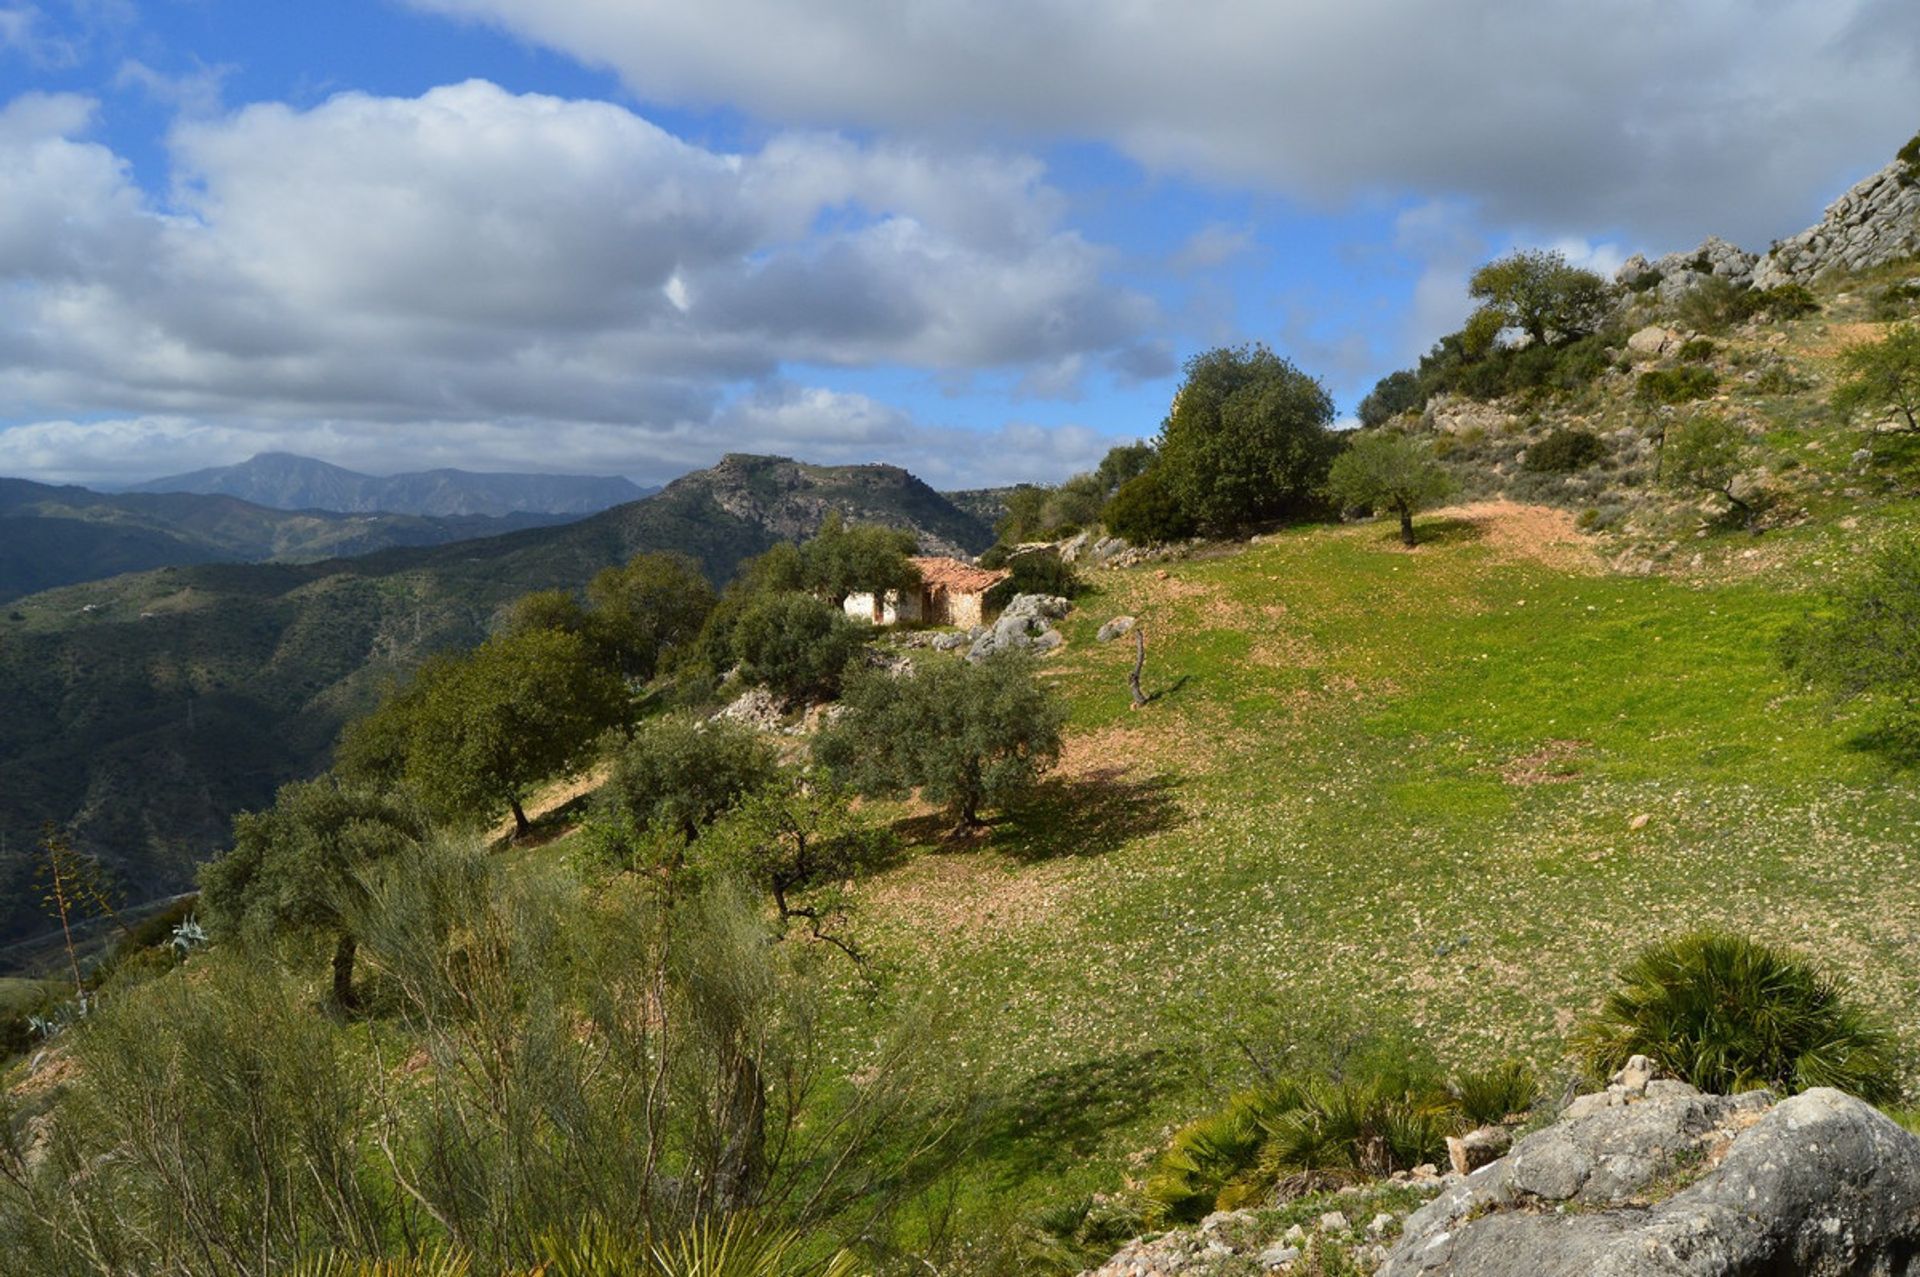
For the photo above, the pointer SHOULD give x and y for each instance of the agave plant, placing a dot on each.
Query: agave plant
(1728, 1014)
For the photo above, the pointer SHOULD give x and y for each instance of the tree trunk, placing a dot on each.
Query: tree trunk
(343, 958)
(1139, 664)
(521, 825)
(743, 1160)
(1406, 526)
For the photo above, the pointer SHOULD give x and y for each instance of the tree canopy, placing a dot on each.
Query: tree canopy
(1543, 295)
(967, 736)
(1386, 470)
(1865, 639)
(677, 776)
(860, 559)
(1247, 439)
(471, 735)
(795, 645)
(1707, 453)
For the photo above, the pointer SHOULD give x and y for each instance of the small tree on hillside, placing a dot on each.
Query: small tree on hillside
(1882, 377)
(967, 736)
(296, 865)
(1393, 394)
(1390, 472)
(1146, 511)
(842, 560)
(677, 776)
(794, 645)
(1246, 441)
(799, 834)
(472, 735)
(1540, 293)
(1707, 453)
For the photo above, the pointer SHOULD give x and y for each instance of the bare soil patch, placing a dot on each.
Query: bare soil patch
(1539, 533)
(1551, 764)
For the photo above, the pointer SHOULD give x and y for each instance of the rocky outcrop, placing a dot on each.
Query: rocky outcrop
(1027, 624)
(1655, 1179)
(1678, 273)
(1876, 222)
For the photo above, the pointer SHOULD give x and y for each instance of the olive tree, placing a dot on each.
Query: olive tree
(1708, 453)
(967, 736)
(794, 644)
(298, 865)
(646, 609)
(1392, 472)
(840, 560)
(676, 776)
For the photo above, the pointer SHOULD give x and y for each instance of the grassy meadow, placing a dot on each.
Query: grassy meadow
(1444, 792)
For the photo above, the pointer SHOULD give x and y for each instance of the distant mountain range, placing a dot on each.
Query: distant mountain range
(53, 536)
(143, 711)
(283, 481)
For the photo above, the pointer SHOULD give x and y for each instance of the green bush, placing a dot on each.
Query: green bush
(1698, 350)
(1036, 572)
(1778, 379)
(1565, 451)
(1675, 385)
(1146, 511)
(1490, 1095)
(1909, 157)
(1728, 1014)
(795, 646)
(1897, 301)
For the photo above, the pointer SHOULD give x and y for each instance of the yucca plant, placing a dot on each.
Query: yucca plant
(1728, 1014)
(1489, 1095)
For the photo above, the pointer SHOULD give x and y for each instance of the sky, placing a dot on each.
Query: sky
(976, 238)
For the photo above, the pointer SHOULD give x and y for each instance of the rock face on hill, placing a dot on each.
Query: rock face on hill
(1655, 1179)
(1877, 221)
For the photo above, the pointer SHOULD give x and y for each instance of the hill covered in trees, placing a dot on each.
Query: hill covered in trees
(147, 709)
(62, 535)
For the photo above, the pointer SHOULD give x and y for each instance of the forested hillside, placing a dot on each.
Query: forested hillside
(147, 709)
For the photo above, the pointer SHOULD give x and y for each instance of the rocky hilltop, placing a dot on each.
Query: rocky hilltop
(1876, 222)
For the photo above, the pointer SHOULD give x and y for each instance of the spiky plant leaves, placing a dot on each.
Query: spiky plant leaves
(442, 1263)
(1490, 1095)
(737, 1246)
(1728, 1014)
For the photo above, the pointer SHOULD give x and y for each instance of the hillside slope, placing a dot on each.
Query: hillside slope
(145, 710)
(288, 482)
(53, 536)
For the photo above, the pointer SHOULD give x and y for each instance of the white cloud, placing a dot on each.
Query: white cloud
(547, 273)
(1668, 121)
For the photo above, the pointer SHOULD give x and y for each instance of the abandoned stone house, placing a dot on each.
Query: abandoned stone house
(950, 593)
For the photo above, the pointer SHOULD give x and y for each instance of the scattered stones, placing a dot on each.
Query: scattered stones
(1118, 627)
(952, 641)
(756, 708)
(1640, 821)
(1278, 1256)
(1334, 1222)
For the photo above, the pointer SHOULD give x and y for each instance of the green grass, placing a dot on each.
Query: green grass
(1325, 808)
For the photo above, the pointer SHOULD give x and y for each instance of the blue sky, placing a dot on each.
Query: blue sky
(973, 237)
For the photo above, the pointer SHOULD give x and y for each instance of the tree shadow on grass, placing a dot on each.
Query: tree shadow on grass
(1442, 531)
(1889, 743)
(1086, 815)
(1053, 1121)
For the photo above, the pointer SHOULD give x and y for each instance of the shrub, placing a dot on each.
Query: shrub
(1882, 377)
(1727, 1014)
(1788, 301)
(1490, 1095)
(1896, 301)
(1675, 385)
(1216, 1158)
(1778, 379)
(1861, 639)
(1392, 395)
(1036, 572)
(1698, 350)
(1909, 157)
(1246, 441)
(1145, 511)
(1565, 451)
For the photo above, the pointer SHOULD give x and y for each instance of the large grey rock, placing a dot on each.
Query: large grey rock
(1878, 221)
(1118, 627)
(1821, 1184)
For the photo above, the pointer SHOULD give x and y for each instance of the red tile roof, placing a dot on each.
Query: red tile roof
(956, 577)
